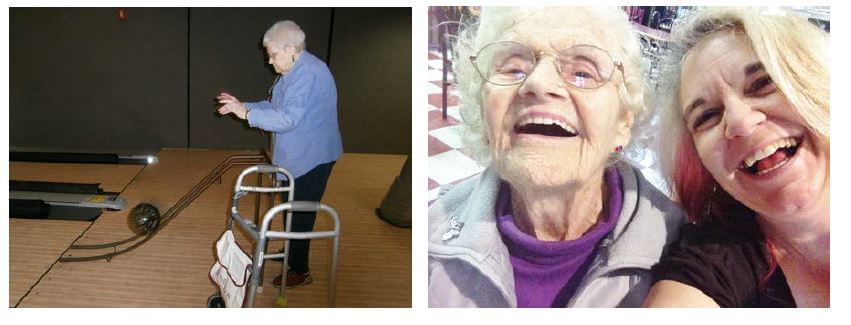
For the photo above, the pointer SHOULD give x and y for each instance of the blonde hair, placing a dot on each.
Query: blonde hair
(284, 33)
(494, 21)
(792, 51)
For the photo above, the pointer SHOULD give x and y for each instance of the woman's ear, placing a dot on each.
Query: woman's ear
(624, 126)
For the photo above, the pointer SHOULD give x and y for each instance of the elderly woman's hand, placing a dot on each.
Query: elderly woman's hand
(231, 105)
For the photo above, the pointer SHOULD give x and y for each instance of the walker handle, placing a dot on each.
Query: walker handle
(299, 206)
(262, 169)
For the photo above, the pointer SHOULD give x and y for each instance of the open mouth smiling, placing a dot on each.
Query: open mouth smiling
(772, 157)
(545, 126)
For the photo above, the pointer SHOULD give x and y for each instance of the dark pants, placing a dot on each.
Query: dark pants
(308, 187)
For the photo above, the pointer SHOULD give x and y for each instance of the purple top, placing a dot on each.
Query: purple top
(546, 273)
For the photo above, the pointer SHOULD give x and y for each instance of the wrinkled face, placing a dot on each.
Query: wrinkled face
(746, 132)
(545, 132)
(281, 60)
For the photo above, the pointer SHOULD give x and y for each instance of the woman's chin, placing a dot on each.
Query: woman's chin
(798, 200)
(536, 172)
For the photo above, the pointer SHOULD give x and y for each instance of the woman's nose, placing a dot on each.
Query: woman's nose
(741, 118)
(544, 82)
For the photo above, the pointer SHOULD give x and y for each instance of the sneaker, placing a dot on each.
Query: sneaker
(294, 280)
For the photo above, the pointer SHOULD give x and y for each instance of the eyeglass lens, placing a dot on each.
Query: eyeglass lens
(508, 63)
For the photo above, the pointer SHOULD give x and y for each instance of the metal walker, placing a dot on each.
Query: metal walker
(261, 234)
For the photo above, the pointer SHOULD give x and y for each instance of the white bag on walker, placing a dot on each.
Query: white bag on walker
(232, 270)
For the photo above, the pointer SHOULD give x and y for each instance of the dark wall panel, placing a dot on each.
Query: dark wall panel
(81, 79)
(371, 61)
(226, 53)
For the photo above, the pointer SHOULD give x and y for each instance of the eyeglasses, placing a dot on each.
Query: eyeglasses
(508, 63)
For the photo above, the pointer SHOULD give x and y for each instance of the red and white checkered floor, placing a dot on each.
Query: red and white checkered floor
(447, 162)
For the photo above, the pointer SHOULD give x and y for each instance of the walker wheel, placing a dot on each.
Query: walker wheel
(215, 301)
(281, 301)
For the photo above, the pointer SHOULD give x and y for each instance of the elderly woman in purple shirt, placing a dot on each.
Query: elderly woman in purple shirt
(558, 218)
(302, 116)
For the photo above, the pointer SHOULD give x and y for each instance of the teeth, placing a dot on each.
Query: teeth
(547, 121)
(768, 150)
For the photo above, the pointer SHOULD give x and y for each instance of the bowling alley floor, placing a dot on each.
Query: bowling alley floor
(171, 270)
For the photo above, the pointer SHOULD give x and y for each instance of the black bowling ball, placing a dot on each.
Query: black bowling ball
(144, 218)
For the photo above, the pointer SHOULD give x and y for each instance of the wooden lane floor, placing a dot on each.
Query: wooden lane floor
(172, 269)
(375, 258)
(35, 245)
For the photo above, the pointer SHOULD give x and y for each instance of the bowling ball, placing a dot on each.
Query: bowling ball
(143, 218)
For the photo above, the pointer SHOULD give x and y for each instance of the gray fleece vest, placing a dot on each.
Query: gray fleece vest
(469, 265)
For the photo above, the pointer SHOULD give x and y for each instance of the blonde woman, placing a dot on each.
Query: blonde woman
(749, 156)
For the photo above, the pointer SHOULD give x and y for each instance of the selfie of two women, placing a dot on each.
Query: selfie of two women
(629, 157)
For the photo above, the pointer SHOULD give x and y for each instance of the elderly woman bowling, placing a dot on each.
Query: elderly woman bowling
(558, 218)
